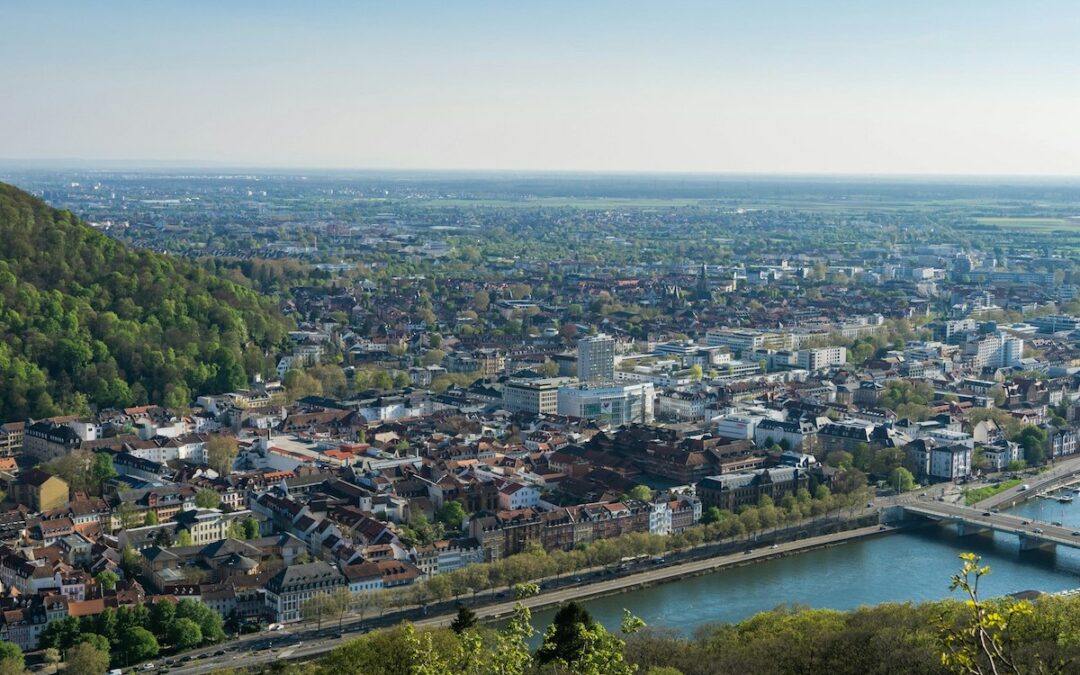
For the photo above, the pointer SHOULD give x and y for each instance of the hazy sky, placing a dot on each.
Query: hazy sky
(868, 86)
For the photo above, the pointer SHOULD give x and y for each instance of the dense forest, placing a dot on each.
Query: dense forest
(85, 319)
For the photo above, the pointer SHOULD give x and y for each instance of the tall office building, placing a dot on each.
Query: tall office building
(596, 358)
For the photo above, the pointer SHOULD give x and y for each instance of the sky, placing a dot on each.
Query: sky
(762, 86)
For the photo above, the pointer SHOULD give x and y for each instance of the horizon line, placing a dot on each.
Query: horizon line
(58, 164)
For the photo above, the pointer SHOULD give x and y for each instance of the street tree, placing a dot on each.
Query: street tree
(221, 452)
(86, 659)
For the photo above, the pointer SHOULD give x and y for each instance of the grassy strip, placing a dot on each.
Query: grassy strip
(978, 494)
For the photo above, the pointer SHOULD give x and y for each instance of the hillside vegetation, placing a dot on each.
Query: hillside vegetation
(935, 638)
(84, 318)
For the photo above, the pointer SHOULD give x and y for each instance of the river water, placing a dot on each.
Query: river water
(914, 565)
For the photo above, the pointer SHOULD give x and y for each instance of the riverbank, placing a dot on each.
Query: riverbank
(305, 643)
(676, 572)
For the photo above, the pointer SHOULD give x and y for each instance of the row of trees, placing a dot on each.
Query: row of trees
(537, 563)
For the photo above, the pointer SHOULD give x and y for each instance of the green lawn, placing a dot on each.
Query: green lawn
(979, 494)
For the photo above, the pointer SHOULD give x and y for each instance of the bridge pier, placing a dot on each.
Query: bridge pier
(1030, 543)
(891, 515)
(964, 529)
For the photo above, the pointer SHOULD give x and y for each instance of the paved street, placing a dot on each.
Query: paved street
(1060, 472)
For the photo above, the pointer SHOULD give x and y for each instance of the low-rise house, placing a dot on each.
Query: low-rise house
(365, 577)
(39, 490)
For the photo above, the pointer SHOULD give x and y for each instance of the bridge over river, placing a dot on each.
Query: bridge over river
(973, 520)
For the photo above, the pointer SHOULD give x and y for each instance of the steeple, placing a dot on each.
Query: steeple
(703, 284)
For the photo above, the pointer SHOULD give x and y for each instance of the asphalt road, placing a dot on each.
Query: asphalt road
(1060, 472)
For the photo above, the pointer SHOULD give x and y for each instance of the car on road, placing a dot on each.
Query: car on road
(1037, 530)
(1076, 533)
(987, 513)
(220, 652)
(1026, 522)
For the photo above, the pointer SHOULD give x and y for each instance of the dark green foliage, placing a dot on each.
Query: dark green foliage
(465, 619)
(210, 623)
(162, 615)
(185, 634)
(1033, 440)
(84, 318)
(567, 643)
(60, 634)
(137, 644)
(452, 514)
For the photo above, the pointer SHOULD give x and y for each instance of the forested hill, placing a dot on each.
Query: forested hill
(85, 319)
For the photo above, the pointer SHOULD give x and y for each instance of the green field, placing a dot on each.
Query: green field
(1045, 224)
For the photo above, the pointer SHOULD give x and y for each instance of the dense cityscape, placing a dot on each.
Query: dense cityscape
(561, 338)
(446, 407)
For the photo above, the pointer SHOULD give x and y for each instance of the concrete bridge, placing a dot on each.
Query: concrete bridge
(973, 520)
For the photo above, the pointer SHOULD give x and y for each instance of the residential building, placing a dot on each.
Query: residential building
(365, 577)
(596, 358)
(39, 490)
(820, 358)
(513, 496)
(11, 438)
(45, 441)
(996, 350)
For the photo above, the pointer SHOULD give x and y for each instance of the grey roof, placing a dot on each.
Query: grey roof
(295, 577)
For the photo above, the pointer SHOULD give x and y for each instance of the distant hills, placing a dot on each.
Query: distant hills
(85, 319)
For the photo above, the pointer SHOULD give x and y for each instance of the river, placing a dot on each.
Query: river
(913, 565)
